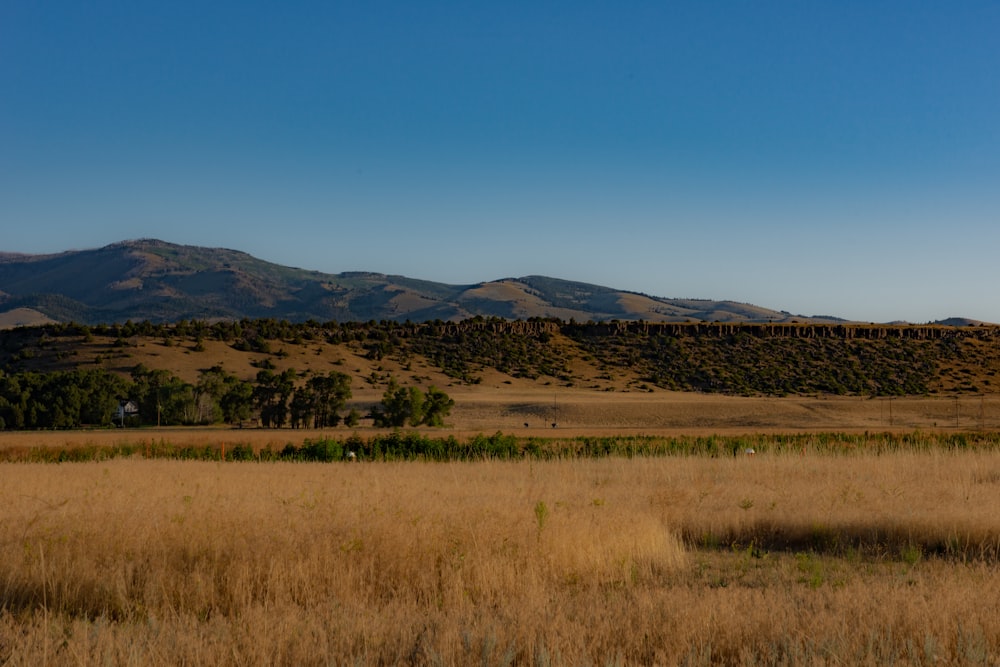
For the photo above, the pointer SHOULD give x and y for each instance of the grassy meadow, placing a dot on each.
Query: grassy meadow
(778, 558)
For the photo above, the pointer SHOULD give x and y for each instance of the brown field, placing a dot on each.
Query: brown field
(615, 561)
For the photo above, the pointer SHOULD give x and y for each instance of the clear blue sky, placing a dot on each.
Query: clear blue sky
(836, 158)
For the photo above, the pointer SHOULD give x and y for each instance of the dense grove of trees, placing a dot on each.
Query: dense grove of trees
(59, 400)
(409, 406)
(69, 399)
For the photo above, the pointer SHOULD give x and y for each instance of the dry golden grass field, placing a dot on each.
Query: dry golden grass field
(678, 560)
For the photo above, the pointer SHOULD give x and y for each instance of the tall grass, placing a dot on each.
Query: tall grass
(416, 446)
(636, 561)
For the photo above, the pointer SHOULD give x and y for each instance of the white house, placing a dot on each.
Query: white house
(126, 408)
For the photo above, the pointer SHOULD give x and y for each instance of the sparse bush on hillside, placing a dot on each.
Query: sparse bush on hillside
(745, 364)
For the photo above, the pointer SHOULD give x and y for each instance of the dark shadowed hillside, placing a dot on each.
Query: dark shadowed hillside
(162, 282)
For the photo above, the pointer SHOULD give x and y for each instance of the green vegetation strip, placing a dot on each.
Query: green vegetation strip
(411, 446)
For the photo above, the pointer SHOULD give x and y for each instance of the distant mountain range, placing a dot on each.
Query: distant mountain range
(163, 282)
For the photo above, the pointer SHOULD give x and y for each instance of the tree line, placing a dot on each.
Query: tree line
(96, 397)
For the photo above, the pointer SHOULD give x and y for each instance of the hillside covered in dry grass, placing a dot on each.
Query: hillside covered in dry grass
(747, 359)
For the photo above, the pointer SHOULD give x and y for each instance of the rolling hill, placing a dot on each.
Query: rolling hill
(163, 282)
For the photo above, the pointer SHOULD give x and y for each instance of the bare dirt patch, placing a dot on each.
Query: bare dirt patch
(687, 413)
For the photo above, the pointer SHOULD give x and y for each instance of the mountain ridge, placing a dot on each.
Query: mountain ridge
(151, 279)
